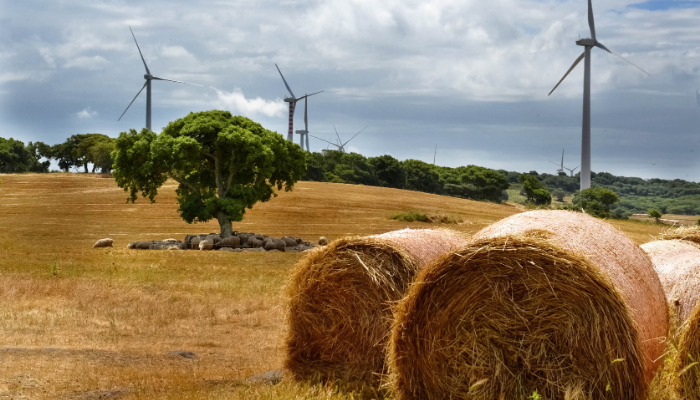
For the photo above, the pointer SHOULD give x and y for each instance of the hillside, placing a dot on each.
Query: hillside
(77, 321)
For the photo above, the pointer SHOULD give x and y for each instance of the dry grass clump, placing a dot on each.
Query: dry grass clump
(688, 233)
(413, 216)
(678, 265)
(548, 302)
(340, 302)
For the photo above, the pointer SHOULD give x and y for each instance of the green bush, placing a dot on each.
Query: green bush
(410, 216)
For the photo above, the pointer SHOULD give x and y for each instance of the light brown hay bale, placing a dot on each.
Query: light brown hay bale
(678, 265)
(340, 300)
(689, 233)
(103, 243)
(544, 301)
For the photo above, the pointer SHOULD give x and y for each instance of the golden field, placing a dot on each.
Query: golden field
(84, 323)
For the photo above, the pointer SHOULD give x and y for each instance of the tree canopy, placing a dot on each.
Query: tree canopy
(596, 201)
(536, 193)
(16, 157)
(223, 164)
(83, 149)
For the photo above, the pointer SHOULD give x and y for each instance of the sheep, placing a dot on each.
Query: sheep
(231, 241)
(275, 244)
(206, 244)
(322, 241)
(289, 241)
(103, 243)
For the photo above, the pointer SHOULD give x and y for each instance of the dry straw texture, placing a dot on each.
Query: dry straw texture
(678, 265)
(688, 233)
(551, 302)
(341, 298)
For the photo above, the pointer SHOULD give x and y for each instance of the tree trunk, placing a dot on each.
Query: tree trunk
(86, 170)
(224, 224)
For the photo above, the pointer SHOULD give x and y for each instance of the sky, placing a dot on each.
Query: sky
(470, 77)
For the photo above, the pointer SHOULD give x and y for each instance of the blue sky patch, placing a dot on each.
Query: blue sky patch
(661, 5)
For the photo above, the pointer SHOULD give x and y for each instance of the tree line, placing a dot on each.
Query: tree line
(78, 151)
(469, 182)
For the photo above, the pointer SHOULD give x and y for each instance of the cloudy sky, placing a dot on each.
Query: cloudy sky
(471, 77)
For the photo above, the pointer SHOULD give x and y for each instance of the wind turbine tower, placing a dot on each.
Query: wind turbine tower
(561, 167)
(304, 134)
(148, 77)
(588, 45)
(292, 105)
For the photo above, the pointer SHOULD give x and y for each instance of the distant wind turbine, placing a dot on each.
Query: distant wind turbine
(571, 170)
(304, 134)
(561, 167)
(434, 154)
(292, 105)
(340, 145)
(148, 77)
(588, 44)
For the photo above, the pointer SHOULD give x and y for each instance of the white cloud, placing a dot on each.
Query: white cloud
(237, 102)
(14, 76)
(90, 63)
(86, 113)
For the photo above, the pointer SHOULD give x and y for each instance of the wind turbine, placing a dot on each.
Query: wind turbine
(561, 167)
(588, 44)
(148, 77)
(572, 170)
(292, 105)
(340, 145)
(305, 132)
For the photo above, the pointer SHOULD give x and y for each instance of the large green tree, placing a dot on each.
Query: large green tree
(224, 164)
(596, 201)
(534, 190)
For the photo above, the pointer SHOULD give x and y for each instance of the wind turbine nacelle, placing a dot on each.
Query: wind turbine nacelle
(302, 131)
(586, 42)
(290, 100)
(147, 76)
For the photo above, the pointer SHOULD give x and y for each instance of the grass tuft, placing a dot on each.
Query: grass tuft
(417, 216)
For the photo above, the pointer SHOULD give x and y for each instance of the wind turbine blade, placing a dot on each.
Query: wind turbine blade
(554, 163)
(285, 82)
(591, 23)
(141, 54)
(336, 134)
(578, 60)
(170, 80)
(324, 140)
(697, 95)
(132, 101)
(601, 46)
(309, 95)
(306, 115)
(562, 158)
(354, 136)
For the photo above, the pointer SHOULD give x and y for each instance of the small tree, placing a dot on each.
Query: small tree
(558, 194)
(223, 164)
(596, 201)
(535, 192)
(654, 213)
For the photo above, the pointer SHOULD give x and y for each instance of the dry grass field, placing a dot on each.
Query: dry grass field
(86, 323)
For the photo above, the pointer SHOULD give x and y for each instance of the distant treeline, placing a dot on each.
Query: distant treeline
(470, 182)
(637, 195)
(78, 151)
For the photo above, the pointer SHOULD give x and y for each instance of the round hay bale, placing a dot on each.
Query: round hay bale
(231, 241)
(322, 241)
(688, 233)
(678, 264)
(206, 244)
(549, 301)
(103, 243)
(340, 301)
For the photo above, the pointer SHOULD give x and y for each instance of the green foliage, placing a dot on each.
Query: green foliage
(82, 149)
(224, 164)
(470, 182)
(15, 157)
(558, 194)
(413, 216)
(535, 192)
(410, 216)
(596, 201)
(654, 213)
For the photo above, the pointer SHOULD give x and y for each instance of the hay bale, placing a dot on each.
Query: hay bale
(231, 241)
(340, 300)
(103, 243)
(274, 244)
(688, 233)
(678, 264)
(206, 244)
(549, 301)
